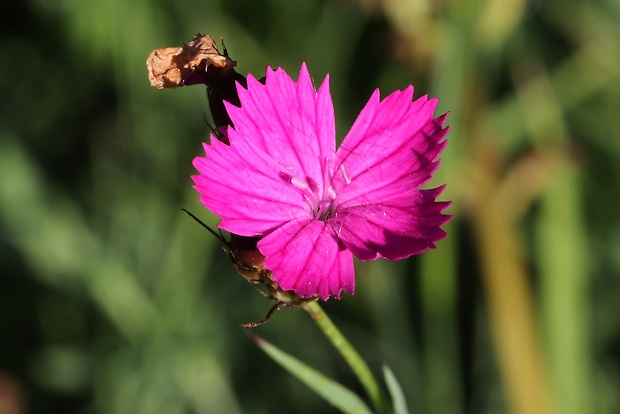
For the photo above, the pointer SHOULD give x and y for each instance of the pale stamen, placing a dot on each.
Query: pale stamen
(320, 205)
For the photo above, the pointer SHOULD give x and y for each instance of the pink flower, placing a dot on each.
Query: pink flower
(281, 178)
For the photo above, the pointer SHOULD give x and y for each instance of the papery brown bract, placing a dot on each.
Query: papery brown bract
(198, 62)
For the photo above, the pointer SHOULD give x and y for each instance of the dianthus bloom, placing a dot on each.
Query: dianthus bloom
(315, 208)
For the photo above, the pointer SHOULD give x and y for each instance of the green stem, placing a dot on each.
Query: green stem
(351, 356)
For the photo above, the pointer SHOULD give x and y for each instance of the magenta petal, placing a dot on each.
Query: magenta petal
(284, 133)
(289, 121)
(394, 230)
(391, 149)
(238, 185)
(389, 153)
(306, 257)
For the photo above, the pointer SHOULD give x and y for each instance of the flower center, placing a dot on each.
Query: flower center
(319, 202)
(318, 196)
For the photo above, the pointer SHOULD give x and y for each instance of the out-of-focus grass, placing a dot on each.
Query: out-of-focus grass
(114, 301)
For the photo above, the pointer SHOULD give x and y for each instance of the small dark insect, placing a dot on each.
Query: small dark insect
(248, 261)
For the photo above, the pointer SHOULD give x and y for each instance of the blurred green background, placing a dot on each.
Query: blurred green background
(114, 301)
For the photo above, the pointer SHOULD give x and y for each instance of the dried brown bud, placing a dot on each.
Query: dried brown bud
(198, 62)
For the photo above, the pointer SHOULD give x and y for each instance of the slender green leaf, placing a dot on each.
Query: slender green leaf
(337, 395)
(396, 392)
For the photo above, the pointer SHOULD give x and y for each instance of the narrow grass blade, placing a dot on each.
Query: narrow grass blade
(396, 392)
(337, 395)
